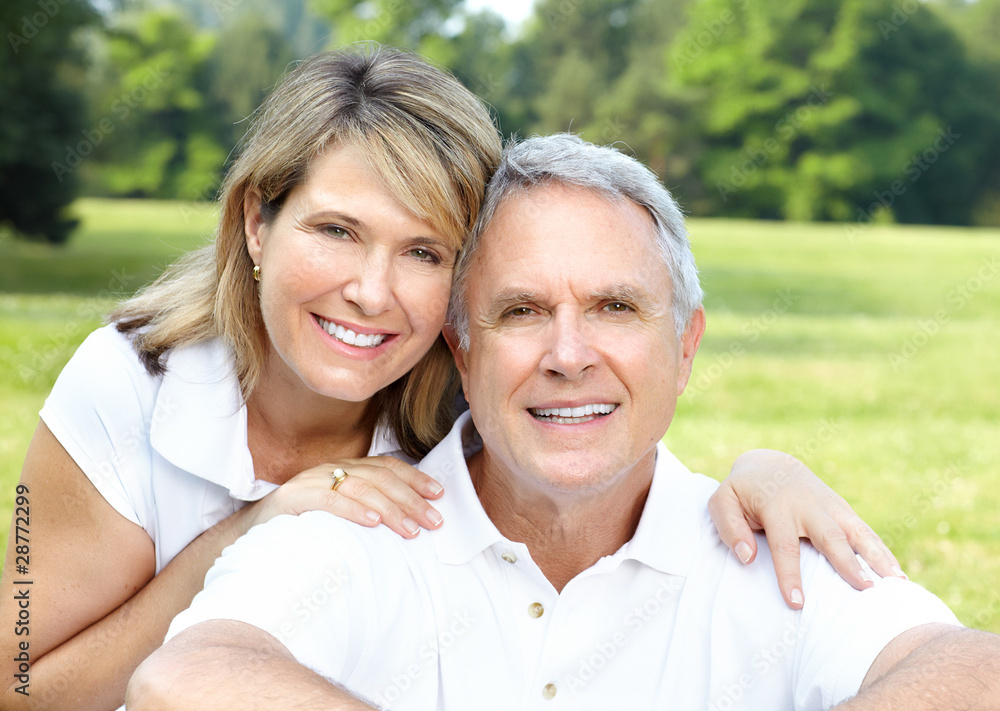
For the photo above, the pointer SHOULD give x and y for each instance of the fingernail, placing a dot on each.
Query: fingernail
(744, 551)
(797, 597)
(372, 516)
(435, 518)
(898, 572)
(434, 488)
(410, 526)
(865, 576)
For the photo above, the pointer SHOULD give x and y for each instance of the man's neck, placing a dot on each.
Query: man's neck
(565, 532)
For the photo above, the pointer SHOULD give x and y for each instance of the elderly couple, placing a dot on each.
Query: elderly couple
(578, 566)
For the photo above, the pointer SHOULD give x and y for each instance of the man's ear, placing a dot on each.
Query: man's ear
(454, 345)
(689, 345)
(253, 224)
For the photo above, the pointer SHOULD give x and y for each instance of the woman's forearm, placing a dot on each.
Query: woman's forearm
(89, 671)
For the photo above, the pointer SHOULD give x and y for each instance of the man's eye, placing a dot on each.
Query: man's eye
(617, 307)
(520, 311)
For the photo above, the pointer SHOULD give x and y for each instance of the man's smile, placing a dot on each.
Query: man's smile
(572, 415)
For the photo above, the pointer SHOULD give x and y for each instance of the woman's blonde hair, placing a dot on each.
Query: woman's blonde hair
(433, 145)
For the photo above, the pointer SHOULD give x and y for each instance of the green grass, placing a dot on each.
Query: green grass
(873, 359)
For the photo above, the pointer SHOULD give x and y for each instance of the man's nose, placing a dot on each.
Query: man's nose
(570, 352)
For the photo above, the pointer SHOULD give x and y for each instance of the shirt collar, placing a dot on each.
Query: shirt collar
(666, 538)
(671, 524)
(467, 531)
(200, 421)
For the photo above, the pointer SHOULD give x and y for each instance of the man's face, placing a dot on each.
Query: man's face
(574, 365)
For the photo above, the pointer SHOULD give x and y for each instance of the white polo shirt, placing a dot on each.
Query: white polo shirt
(169, 452)
(461, 618)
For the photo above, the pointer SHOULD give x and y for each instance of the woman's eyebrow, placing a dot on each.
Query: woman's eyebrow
(336, 216)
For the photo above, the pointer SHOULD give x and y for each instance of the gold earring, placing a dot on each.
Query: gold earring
(256, 273)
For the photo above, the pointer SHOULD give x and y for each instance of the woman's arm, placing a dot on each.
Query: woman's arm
(776, 493)
(95, 609)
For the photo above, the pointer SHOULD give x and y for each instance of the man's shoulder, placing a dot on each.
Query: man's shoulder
(317, 541)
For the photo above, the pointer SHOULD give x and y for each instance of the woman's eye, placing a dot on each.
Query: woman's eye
(424, 255)
(335, 231)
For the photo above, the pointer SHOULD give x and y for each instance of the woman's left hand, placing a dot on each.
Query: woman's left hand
(776, 493)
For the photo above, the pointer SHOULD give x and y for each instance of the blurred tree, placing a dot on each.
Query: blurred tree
(836, 109)
(239, 80)
(598, 68)
(978, 24)
(42, 121)
(163, 135)
(421, 25)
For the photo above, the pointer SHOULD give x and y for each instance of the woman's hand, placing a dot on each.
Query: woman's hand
(775, 492)
(376, 490)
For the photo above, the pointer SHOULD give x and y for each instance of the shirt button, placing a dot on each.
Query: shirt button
(536, 609)
(509, 557)
(549, 691)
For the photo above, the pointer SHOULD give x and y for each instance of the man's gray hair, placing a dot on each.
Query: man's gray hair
(564, 159)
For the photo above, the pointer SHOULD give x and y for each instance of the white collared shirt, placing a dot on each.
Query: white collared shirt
(462, 618)
(168, 453)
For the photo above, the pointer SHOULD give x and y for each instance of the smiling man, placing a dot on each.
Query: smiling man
(579, 567)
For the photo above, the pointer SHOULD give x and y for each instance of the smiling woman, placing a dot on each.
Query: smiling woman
(304, 341)
(353, 287)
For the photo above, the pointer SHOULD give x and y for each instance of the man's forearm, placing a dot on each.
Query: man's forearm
(222, 665)
(959, 669)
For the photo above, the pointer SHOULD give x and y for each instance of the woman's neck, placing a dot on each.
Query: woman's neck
(289, 431)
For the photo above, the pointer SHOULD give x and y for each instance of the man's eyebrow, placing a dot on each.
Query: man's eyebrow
(620, 292)
(506, 299)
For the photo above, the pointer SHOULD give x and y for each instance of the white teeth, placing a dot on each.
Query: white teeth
(568, 415)
(360, 340)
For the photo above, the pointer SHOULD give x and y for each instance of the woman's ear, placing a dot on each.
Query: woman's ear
(253, 224)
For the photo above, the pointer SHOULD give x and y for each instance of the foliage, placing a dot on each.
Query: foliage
(41, 120)
(837, 109)
(851, 110)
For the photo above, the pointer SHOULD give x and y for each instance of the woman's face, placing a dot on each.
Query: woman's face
(354, 288)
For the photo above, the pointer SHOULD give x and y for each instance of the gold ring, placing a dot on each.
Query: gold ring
(338, 478)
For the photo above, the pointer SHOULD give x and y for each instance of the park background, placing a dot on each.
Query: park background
(840, 160)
